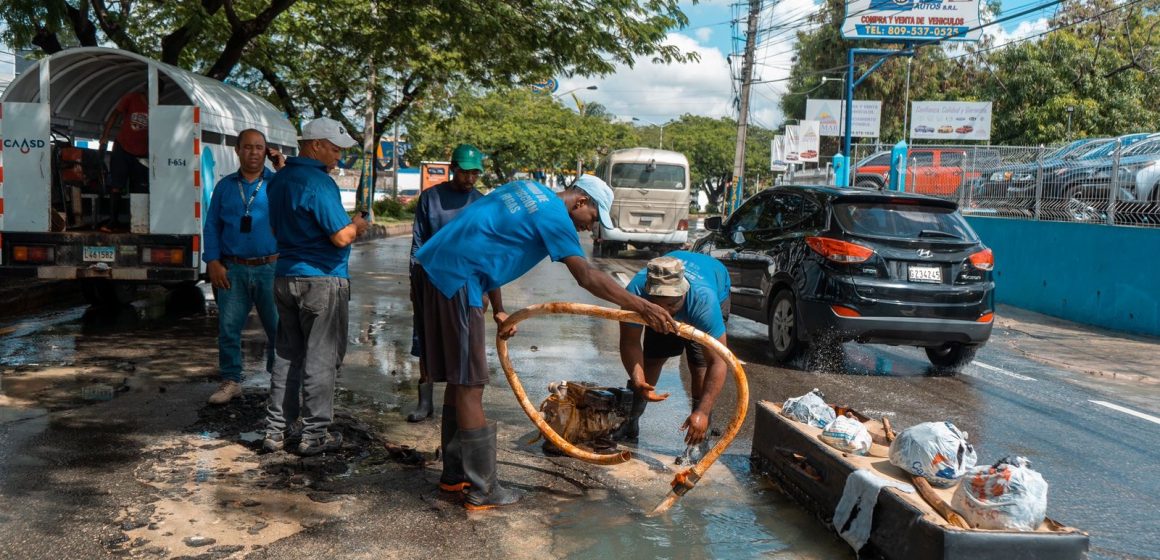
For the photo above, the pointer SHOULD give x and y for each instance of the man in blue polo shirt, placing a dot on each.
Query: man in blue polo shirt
(311, 288)
(695, 289)
(492, 242)
(239, 254)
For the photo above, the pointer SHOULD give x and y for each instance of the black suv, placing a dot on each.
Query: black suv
(826, 265)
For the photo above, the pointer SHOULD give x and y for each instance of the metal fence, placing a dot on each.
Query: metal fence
(1024, 182)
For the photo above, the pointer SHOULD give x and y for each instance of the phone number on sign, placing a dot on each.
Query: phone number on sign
(911, 31)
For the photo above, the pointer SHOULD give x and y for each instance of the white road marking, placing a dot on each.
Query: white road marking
(623, 278)
(1119, 408)
(1004, 372)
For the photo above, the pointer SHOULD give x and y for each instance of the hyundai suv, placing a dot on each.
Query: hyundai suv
(824, 265)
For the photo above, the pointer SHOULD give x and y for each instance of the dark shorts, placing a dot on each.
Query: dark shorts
(126, 172)
(453, 333)
(663, 346)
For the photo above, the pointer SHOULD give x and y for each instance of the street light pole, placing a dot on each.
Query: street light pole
(1070, 110)
(661, 126)
(559, 95)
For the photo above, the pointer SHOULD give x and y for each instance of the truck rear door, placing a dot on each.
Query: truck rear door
(175, 170)
(25, 167)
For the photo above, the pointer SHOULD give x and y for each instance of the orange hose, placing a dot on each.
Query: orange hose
(684, 480)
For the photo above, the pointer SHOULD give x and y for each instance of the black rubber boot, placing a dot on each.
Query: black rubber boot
(630, 429)
(426, 407)
(479, 450)
(452, 479)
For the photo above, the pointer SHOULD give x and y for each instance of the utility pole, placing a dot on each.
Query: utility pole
(734, 199)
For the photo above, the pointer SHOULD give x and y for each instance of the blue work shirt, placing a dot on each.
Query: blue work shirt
(222, 236)
(437, 206)
(498, 239)
(305, 210)
(708, 287)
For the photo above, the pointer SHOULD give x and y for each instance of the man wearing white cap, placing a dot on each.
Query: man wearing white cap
(694, 288)
(490, 243)
(311, 288)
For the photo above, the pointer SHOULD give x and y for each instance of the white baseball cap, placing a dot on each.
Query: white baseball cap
(323, 128)
(601, 194)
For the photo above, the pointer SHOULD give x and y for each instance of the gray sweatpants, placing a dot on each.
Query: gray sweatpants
(310, 346)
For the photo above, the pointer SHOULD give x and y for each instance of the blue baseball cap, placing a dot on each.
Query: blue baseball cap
(601, 194)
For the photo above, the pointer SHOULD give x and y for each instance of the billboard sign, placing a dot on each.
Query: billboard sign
(777, 153)
(548, 86)
(950, 120)
(894, 20)
(791, 143)
(809, 141)
(831, 112)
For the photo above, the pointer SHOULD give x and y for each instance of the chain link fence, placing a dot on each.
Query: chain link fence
(1116, 185)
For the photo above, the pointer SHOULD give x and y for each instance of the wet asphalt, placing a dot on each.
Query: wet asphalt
(86, 398)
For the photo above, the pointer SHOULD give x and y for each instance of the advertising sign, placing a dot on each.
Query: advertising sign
(547, 86)
(950, 120)
(777, 153)
(831, 114)
(809, 141)
(947, 20)
(791, 143)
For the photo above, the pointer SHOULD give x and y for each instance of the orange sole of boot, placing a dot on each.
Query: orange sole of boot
(459, 487)
(472, 507)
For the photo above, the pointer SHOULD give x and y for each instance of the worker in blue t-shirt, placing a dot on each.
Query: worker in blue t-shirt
(495, 241)
(694, 288)
(437, 206)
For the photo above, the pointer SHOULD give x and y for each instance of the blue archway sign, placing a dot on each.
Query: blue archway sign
(548, 86)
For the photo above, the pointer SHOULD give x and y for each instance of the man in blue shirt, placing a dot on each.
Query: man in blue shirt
(492, 242)
(695, 289)
(437, 206)
(240, 251)
(311, 288)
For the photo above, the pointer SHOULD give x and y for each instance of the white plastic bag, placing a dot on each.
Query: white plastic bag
(847, 434)
(810, 409)
(1006, 495)
(936, 451)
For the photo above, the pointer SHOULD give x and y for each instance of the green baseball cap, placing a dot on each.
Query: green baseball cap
(467, 158)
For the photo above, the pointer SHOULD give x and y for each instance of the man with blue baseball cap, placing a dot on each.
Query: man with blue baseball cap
(490, 243)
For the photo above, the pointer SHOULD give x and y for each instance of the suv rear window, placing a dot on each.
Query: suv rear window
(903, 221)
(646, 176)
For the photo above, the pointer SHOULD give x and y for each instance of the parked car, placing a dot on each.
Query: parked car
(1073, 180)
(823, 265)
(1017, 181)
(406, 195)
(937, 171)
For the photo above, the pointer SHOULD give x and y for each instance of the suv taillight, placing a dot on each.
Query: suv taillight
(683, 225)
(839, 251)
(983, 260)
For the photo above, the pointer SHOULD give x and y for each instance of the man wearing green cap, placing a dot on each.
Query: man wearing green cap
(437, 206)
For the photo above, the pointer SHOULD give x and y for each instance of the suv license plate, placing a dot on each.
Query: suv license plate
(931, 274)
(99, 254)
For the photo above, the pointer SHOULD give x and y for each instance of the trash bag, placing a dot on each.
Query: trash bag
(1006, 495)
(936, 451)
(809, 408)
(847, 434)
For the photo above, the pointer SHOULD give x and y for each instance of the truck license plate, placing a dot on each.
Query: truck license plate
(931, 274)
(99, 254)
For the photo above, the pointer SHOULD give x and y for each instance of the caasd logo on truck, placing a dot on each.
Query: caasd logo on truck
(25, 145)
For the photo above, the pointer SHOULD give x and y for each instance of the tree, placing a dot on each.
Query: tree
(709, 144)
(518, 130)
(309, 57)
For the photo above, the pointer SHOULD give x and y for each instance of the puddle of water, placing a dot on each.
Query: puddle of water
(714, 524)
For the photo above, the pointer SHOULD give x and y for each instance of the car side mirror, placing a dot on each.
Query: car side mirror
(713, 223)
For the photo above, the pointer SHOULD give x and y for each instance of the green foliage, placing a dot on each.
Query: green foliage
(389, 207)
(517, 129)
(1101, 62)
(710, 145)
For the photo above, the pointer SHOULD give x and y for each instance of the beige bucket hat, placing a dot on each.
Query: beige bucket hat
(666, 277)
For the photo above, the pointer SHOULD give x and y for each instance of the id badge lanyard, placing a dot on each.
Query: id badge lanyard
(247, 220)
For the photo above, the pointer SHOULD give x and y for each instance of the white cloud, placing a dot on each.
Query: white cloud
(1023, 30)
(660, 93)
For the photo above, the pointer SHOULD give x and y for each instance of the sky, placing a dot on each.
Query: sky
(658, 93)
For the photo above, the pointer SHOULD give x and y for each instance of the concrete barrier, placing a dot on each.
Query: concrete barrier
(1099, 275)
